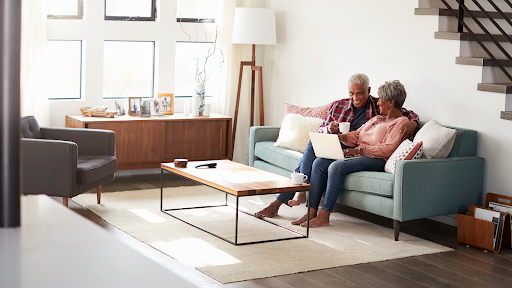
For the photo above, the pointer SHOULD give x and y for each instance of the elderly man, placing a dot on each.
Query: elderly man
(357, 109)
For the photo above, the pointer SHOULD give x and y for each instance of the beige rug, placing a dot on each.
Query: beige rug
(346, 241)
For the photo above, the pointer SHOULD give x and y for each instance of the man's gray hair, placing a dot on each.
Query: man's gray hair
(361, 79)
(393, 90)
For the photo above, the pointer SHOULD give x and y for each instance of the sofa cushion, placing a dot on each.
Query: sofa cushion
(294, 132)
(317, 112)
(279, 156)
(437, 140)
(29, 128)
(92, 168)
(407, 150)
(378, 183)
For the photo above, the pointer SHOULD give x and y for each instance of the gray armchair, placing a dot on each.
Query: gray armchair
(65, 162)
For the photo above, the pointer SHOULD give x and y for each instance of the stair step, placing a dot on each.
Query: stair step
(482, 61)
(506, 115)
(504, 88)
(466, 37)
(446, 12)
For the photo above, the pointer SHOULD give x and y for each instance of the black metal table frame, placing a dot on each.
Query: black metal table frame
(166, 211)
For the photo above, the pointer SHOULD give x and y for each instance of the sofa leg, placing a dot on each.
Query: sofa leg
(65, 201)
(396, 227)
(98, 194)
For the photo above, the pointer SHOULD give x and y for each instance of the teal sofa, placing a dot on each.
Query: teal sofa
(418, 189)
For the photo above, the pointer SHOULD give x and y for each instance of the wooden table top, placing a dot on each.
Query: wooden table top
(236, 179)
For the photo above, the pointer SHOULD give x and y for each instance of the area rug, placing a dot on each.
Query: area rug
(346, 241)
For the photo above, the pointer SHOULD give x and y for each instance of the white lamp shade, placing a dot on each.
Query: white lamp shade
(254, 26)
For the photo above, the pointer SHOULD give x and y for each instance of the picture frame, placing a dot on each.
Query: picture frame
(156, 107)
(134, 104)
(167, 103)
(145, 108)
(120, 107)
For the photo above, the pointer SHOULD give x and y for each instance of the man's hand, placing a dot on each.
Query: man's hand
(408, 130)
(333, 127)
(343, 137)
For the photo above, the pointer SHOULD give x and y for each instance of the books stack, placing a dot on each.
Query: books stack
(495, 218)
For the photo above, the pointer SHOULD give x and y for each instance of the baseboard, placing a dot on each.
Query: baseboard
(446, 219)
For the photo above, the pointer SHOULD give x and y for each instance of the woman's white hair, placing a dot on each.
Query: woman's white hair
(393, 90)
(361, 79)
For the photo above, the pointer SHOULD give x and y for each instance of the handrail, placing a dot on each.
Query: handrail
(460, 18)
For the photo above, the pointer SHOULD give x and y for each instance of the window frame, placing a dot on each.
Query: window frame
(81, 71)
(154, 70)
(80, 13)
(134, 18)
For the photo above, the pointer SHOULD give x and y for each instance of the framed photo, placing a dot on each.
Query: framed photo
(120, 107)
(167, 103)
(145, 108)
(134, 103)
(156, 106)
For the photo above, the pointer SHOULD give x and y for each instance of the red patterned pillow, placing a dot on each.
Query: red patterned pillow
(317, 112)
(406, 151)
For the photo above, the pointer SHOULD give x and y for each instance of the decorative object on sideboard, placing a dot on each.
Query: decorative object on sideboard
(120, 107)
(156, 106)
(98, 111)
(145, 108)
(207, 110)
(195, 106)
(199, 91)
(252, 26)
(167, 103)
(134, 103)
(186, 106)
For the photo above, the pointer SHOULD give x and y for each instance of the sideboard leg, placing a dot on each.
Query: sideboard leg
(396, 227)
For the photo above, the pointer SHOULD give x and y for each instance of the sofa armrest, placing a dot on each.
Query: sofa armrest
(49, 167)
(260, 134)
(89, 141)
(434, 187)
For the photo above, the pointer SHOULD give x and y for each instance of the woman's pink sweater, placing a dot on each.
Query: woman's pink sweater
(378, 138)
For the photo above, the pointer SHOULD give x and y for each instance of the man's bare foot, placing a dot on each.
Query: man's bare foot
(301, 198)
(322, 219)
(304, 219)
(270, 211)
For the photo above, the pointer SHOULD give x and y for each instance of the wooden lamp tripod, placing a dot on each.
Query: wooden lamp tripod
(252, 26)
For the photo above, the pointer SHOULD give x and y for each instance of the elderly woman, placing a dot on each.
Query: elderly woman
(375, 141)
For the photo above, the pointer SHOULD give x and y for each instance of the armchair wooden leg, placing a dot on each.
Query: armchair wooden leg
(65, 201)
(98, 194)
(396, 227)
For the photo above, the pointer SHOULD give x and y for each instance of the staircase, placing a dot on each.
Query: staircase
(485, 35)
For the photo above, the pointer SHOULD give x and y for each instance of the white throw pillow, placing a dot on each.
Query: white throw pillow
(406, 151)
(294, 133)
(437, 140)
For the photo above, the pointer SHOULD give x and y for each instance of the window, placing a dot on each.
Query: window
(65, 9)
(186, 57)
(128, 69)
(196, 11)
(64, 75)
(130, 10)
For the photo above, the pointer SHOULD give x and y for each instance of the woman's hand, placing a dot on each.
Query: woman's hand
(408, 130)
(353, 152)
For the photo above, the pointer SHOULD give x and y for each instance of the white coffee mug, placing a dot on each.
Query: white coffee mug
(297, 178)
(344, 127)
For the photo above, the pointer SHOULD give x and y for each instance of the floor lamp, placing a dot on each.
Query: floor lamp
(255, 26)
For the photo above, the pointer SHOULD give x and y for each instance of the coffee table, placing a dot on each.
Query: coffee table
(238, 180)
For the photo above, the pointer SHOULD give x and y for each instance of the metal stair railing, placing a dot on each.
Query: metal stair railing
(463, 9)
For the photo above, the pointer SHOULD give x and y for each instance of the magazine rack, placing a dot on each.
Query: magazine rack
(480, 233)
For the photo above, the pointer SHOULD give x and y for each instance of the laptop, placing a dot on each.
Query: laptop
(328, 146)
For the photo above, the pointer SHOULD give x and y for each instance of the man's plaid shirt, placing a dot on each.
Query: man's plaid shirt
(342, 111)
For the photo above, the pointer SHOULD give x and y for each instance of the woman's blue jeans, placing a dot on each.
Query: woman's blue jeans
(305, 166)
(329, 176)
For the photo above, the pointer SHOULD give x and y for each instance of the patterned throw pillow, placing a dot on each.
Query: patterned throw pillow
(437, 140)
(406, 151)
(294, 132)
(317, 112)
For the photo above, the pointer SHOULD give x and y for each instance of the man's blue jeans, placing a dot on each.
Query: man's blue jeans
(329, 176)
(305, 166)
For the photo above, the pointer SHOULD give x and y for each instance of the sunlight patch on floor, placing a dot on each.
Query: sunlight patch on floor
(148, 216)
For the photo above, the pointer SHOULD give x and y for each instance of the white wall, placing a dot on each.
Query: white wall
(322, 43)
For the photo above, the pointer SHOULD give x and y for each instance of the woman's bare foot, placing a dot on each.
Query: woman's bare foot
(304, 219)
(270, 211)
(301, 198)
(322, 219)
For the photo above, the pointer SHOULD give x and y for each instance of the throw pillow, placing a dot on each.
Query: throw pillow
(406, 151)
(317, 112)
(294, 133)
(437, 140)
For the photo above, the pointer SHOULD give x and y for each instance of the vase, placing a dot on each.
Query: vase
(199, 91)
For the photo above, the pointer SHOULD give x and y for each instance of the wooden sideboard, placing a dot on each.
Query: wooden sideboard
(146, 142)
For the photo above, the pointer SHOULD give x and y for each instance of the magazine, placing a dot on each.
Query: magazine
(502, 208)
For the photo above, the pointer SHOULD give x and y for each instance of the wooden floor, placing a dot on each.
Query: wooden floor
(463, 267)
